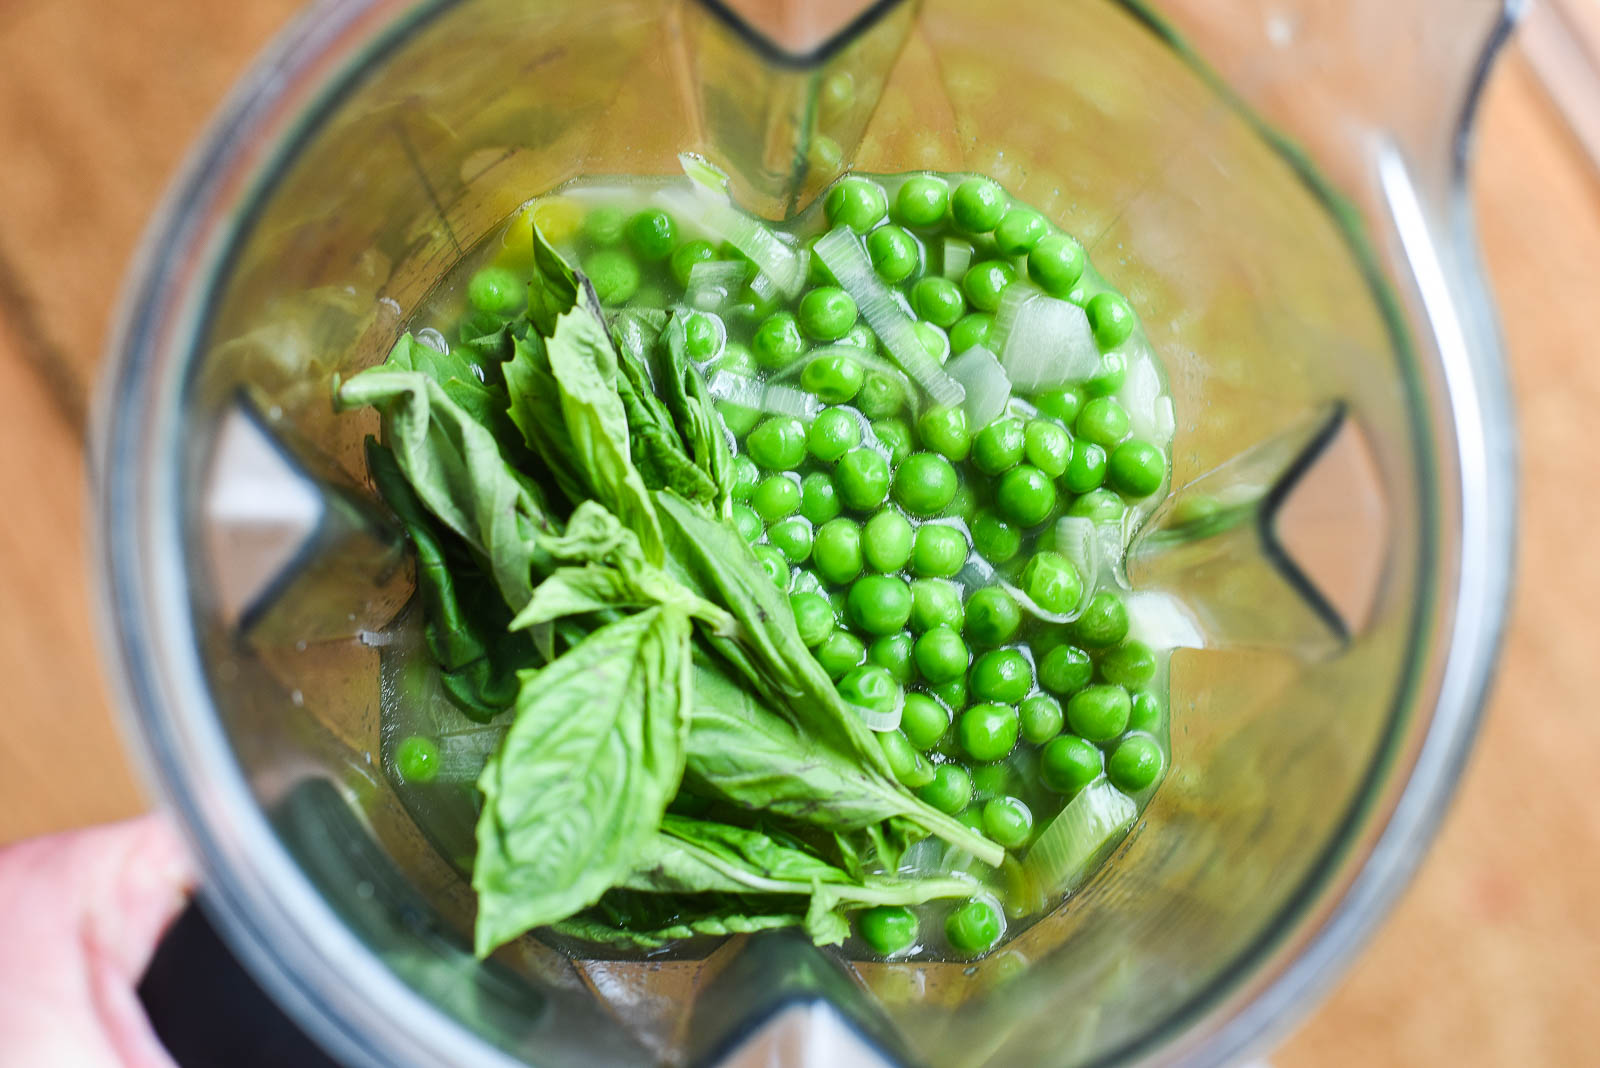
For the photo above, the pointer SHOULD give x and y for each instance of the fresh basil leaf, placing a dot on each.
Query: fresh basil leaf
(692, 406)
(465, 621)
(663, 459)
(585, 369)
(628, 919)
(745, 754)
(699, 856)
(455, 467)
(578, 786)
(554, 289)
(535, 409)
(573, 591)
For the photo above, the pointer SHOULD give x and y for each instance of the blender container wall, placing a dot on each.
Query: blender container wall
(1290, 226)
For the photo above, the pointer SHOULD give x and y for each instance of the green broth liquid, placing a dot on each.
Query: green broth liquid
(433, 753)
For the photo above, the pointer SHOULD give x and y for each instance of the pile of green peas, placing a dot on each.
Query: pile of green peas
(869, 513)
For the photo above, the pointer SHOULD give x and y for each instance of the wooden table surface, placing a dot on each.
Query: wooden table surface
(1491, 958)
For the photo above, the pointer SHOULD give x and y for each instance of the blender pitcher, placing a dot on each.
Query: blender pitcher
(1278, 189)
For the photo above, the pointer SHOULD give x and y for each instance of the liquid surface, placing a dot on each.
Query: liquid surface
(958, 578)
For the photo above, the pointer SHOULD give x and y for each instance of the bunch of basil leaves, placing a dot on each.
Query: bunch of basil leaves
(677, 762)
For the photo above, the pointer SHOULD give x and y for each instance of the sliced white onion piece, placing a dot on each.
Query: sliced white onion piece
(702, 172)
(1046, 342)
(957, 258)
(1162, 621)
(988, 388)
(1095, 549)
(712, 212)
(712, 284)
(749, 392)
(884, 720)
(1141, 393)
(841, 252)
(1033, 608)
(1079, 838)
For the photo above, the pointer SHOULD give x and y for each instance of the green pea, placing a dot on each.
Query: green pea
(938, 300)
(862, 477)
(748, 523)
(1047, 447)
(1002, 675)
(1086, 468)
(857, 203)
(909, 766)
(702, 336)
(736, 358)
(860, 336)
(1112, 374)
(999, 446)
(1104, 621)
(984, 282)
(774, 563)
(1026, 496)
(895, 437)
(745, 476)
(686, 256)
(1019, 231)
(941, 655)
(1041, 717)
(1100, 505)
(1111, 318)
(497, 291)
(964, 505)
(835, 378)
(1067, 764)
(924, 483)
(777, 496)
(1008, 820)
(1146, 714)
(872, 687)
(970, 331)
(988, 731)
(652, 233)
(778, 444)
(604, 225)
(819, 501)
(839, 653)
(992, 616)
(892, 652)
(833, 433)
(944, 430)
(836, 551)
(417, 759)
(1063, 404)
(1052, 582)
(888, 929)
(936, 603)
(1056, 263)
(978, 205)
(991, 780)
(827, 313)
(894, 253)
(880, 604)
(881, 396)
(1134, 764)
(923, 720)
(613, 273)
(777, 342)
(813, 617)
(1130, 665)
(1102, 421)
(1065, 670)
(1136, 468)
(995, 539)
(950, 789)
(938, 551)
(792, 537)
(974, 927)
(1099, 712)
(886, 541)
(922, 201)
(952, 693)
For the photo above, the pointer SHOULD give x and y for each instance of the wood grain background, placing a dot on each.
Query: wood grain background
(1491, 957)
